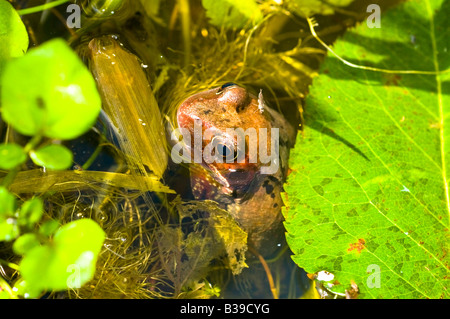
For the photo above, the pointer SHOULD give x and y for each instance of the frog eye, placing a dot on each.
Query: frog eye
(224, 86)
(224, 149)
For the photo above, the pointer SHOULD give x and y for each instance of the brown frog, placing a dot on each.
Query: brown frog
(239, 178)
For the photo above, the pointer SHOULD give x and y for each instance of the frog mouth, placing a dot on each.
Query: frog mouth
(215, 173)
(235, 182)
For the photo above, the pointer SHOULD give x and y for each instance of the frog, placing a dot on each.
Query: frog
(243, 185)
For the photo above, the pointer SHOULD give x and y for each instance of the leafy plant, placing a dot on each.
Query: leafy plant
(61, 102)
(368, 196)
(239, 14)
(233, 13)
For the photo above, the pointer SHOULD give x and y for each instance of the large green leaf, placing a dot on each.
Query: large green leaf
(13, 34)
(67, 262)
(49, 91)
(368, 197)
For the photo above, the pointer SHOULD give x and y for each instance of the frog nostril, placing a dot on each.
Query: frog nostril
(241, 99)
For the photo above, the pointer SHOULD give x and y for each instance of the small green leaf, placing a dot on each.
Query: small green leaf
(8, 229)
(83, 232)
(31, 212)
(48, 228)
(7, 203)
(61, 99)
(232, 13)
(13, 34)
(68, 262)
(54, 157)
(11, 155)
(25, 243)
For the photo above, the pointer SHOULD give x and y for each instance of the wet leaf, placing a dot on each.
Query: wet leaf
(368, 198)
(130, 105)
(61, 99)
(68, 262)
(54, 157)
(11, 155)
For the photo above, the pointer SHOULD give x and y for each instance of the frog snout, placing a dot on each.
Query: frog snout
(235, 96)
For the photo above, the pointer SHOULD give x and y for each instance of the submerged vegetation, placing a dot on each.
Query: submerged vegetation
(87, 105)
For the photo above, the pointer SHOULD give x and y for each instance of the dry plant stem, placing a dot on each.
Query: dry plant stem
(312, 24)
(273, 289)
